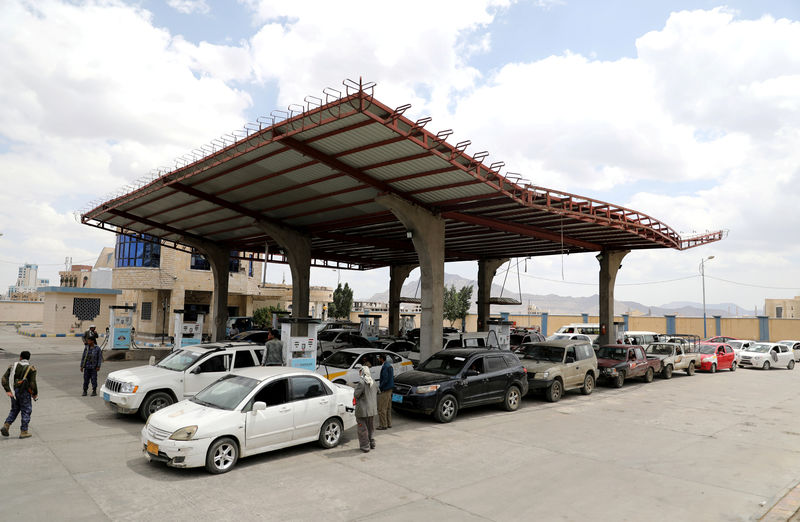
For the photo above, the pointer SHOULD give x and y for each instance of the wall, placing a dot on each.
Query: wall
(21, 311)
(58, 318)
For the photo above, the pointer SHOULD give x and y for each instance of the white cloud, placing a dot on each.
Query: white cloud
(189, 6)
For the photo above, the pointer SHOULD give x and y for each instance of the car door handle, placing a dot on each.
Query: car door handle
(285, 410)
(323, 401)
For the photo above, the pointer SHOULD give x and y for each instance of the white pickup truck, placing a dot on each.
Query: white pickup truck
(673, 356)
(178, 376)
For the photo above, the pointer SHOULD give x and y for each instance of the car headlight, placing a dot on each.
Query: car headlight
(545, 375)
(128, 387)
(185, 433)
(427, 389)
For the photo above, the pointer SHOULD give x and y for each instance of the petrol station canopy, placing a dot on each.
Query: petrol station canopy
(318, 169)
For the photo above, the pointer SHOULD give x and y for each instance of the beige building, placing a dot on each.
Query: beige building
(782, 308)
(72, 310)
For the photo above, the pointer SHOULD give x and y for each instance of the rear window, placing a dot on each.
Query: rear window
(495, 364)
(307, 388)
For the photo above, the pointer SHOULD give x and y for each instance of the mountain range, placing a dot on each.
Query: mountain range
(567, 305)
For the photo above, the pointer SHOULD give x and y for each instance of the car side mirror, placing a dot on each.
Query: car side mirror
(196, 371)
(471, 373)
(259, 405)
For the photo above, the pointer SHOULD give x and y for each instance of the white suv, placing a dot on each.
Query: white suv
(179, 375)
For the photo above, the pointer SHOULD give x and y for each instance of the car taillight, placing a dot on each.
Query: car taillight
(524, 370)
(354, 401)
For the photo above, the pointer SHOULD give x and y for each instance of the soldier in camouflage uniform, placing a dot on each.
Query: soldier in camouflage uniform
(90, 364)
(21, 378)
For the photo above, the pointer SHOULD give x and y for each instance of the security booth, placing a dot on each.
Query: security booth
(369, 326)
(407, 323)
(120, 321)
(187, 333)
(500, 333)
(299, 338)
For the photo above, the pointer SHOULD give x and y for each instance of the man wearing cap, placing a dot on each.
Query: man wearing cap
(90, 363)
(91, 333)
(19, 382)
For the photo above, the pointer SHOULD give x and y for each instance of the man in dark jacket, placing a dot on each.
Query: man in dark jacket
(91, 333)
(21, 378)
(385, 395)
(90, 364)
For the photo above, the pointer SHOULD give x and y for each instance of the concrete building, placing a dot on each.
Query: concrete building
(28, 284)
(782, 308)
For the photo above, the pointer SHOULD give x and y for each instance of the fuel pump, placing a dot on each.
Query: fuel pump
(120, 319)
(300, 348)
(500, 332)
(187, 333)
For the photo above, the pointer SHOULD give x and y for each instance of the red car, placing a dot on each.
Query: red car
(717, 356)
(720, 339)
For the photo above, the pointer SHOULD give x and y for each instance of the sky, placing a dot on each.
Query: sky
(687, 111)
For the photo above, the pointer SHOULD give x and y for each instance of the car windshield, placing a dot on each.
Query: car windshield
(341, 359)
(327, 335)
(443, 363)
(708, 349)
(611, 352)
(736, 344)
(226, 393)
(761, 348)
(659, 349)
(560, 337)
(543, 353)
(179, 361)
(516, 339)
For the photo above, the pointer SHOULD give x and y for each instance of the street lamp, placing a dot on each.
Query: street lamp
(703, 278)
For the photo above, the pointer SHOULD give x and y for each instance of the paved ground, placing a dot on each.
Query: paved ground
(707, 447)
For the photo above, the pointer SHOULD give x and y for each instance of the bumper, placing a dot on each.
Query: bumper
(120, 402)
(706, 365)
(751, 363)
(606, 375)
(539, 384)
(418, 403)
(177, 453)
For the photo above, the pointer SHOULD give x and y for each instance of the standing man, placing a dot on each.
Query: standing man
(90, 364)
(21, 378)
(365, 395)
(385, 395)
(91, 333)
(273, 354)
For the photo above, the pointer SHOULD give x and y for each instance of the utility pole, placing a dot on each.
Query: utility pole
(703, 278)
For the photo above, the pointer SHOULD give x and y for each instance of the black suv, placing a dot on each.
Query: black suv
(453, 379)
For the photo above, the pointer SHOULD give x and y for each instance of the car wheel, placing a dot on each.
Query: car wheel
(446, 409)
(648, 375)
(790, 366)
(588, 384)
(222, 455)
(733, 366)
(714, 368)
(554, 391)
(331, 433)
(154, 402)
(766, 365)
(690, 369)
(512, 399)
(667, 372)
(620, 380)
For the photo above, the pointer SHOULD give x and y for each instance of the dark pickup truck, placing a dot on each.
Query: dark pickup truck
(618, 362)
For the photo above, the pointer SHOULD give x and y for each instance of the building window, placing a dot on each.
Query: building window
(137, 252)
(250, 267)
(199, 262)
(147, 311)
(779, 312)
(85, 308)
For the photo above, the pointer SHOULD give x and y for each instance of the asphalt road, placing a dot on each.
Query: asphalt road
(707, 447)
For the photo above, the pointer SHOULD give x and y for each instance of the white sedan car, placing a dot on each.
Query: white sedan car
(794, 346)
(257, 410)
(739, 346)
(340, 366)
(767, 355)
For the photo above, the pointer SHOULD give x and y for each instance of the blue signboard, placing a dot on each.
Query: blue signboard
(307, 363)
(188, 341)
(122, 338)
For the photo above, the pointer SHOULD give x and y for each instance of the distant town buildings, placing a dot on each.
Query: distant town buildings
(782, 308)
(28, 284)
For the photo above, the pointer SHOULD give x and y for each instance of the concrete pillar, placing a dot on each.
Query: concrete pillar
(544, 324)
(297, 247)
(487, 268)
(610, 263)
(397, 276)
(219, 259)
(427, 234)
(718, 324)
(670, 324)
(763, 328)
(585, 318)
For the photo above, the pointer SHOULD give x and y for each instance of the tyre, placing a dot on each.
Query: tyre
(222, 455)
(733, 366)
(620, 380)
(667, 372)
(330, 433)
(154, 402)
(690, 369)
(446, 409)
(790, 366)
(648, 375)
(512, 399)
(588, 384)
(714, 368)
(554, 392)
(766, 365)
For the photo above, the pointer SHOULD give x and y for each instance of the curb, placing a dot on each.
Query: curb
(785, 508)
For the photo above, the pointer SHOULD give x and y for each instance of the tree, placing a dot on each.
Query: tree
(263, 316)
(456, 303)
(342, 302)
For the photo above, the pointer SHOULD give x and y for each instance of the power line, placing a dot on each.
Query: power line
(752, 285)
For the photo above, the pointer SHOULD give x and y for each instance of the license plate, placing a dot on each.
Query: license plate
(152, 447)
(397, 397)
(106, 397)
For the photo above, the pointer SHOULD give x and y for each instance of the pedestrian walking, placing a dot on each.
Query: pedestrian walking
(91, 361)
(273, 353)
(385, 386)
(19, 382)
(366, 395)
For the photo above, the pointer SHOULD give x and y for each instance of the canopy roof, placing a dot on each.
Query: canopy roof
(318, 169)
